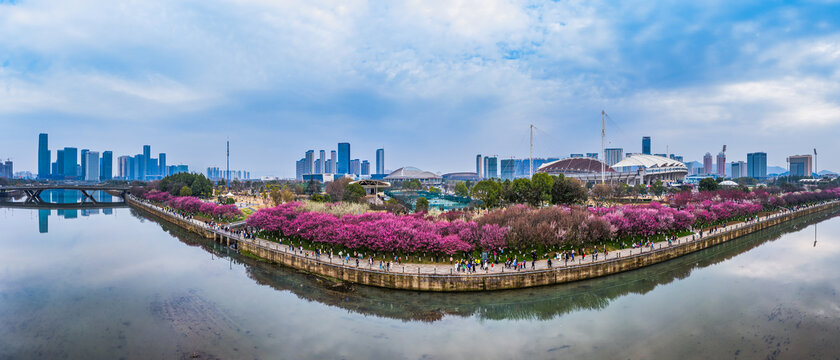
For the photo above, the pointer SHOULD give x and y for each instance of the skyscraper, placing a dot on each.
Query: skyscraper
(491, 167)
(43, 157)
(147, 158)
(139, 170)
(106, 169)
(721, 164)
(92, 166)
(646, 145)
(707, 164)
(800, 165)
(478, 166)
(162, 170)
(365, 167)
(380, 161)
(343, 158)
(123, 163)
(71, 163)
(309, 165)
(322, 165)
(739, 169)
(83, 166)
(613, 155)
(757, 165)
(508, 169)
(592, 155)
(355, 167)
(59, 164)
(299, 167)
(333, 162)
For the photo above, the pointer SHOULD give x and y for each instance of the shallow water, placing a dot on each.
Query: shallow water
(118, 285)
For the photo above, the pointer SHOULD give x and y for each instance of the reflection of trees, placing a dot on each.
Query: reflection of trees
(540, 303)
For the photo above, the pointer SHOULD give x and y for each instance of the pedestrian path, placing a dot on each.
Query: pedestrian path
(445, 268)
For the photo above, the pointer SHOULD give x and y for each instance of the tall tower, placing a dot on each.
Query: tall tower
(227, 173)
(43, 157)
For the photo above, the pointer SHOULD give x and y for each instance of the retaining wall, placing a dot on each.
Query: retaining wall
(479, 282)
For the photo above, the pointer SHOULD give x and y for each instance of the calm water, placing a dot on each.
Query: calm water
(115, 284)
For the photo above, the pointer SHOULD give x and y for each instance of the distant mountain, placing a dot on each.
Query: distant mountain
(827, 172)
(776, 170)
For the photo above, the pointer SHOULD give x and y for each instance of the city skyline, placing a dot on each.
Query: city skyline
(424, 87)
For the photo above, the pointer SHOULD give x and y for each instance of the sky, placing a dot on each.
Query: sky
(432, 82)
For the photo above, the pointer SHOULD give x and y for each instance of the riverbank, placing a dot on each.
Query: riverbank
(432, 277)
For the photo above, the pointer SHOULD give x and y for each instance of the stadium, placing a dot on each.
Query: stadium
(634, 169)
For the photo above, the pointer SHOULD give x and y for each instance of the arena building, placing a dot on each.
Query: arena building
(413, 173)
(632, 170)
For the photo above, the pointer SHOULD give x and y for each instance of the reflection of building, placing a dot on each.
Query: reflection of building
(800, 165)
(636, 169)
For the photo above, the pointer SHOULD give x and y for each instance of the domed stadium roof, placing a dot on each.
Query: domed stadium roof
(574, 166)
(728, 183)
(649, 162)
(409, 173)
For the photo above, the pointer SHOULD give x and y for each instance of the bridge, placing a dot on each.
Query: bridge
(33, 192)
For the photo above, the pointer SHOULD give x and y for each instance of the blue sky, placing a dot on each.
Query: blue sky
(433, 82)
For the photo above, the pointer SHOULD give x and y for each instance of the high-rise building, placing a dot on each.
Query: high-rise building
(309, 165)
(380, 161)
(140, 163)
(613, 155)
(59, 159)
(365, 167)
(479, 166)
(646, 145)
(721, 164)
(322, 165)
(7, 169)
(575, 155)
(343, 158)
(707, 164)
(491, 170)
(92, 166)
(147, 158)
(333, 162)
(300, 165)
(43, 157)
(162, 170)
(83, 166)
(508, 169)
(355, 167)
(123, 167)
(71, 163)
(106, 168)
(318, 166)
(592, 155)
(739, 169)
(800, 165)
(757, 165)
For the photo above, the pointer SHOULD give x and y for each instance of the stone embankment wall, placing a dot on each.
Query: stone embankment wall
(479, 282)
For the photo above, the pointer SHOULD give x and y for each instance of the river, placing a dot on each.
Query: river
(111, 283)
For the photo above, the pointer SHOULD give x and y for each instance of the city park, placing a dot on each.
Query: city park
(521, 220)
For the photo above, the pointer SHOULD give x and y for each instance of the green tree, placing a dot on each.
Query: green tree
(462, 190)
(316, 197)
(230, 201)
(657, 188)
(519, 191)
(185, 191)
(488, 191)
(708, 184)
(567, 191)
(275, 196)
(422, 205)
(313, 187)
(640, 189)
(601, 191)
(353, 193)
(541, 185)
(434, 190)
(412, 184)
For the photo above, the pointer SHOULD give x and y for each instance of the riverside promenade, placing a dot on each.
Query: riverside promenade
(444, 277)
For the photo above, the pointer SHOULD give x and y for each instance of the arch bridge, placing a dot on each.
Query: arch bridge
(33, 192)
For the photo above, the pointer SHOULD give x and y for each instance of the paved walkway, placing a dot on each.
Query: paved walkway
(447, 269)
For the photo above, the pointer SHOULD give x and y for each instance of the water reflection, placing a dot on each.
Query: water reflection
(542, 303)
(105, 204)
